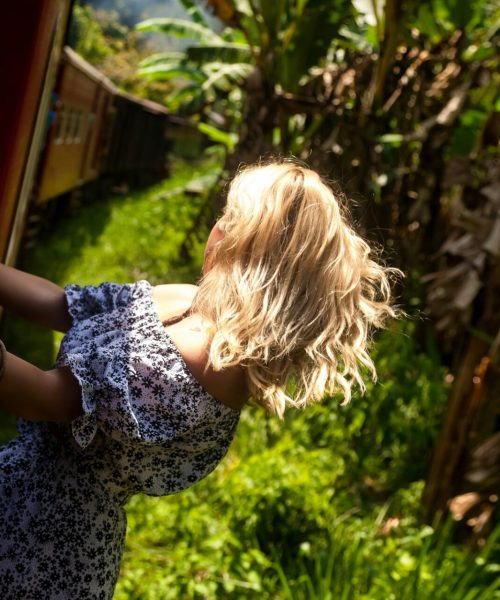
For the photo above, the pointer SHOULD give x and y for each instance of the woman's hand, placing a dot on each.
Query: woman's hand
(36, 395)
(33, 298)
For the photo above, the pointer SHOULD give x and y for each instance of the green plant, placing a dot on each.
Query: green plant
(386, 435)
(359, 564)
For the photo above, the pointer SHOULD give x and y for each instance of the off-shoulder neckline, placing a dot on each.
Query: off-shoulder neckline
(172, 345)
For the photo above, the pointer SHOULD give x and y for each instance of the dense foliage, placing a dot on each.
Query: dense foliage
(377, 94)
(115, 49)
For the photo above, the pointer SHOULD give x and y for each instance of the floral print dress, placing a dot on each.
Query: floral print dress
(148, 426)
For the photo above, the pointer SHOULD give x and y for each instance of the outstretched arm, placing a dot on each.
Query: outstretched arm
(34, 299)
(36, 395)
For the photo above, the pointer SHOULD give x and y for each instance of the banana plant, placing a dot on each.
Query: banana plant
(209, 69)
(286, 39)
(252, 67)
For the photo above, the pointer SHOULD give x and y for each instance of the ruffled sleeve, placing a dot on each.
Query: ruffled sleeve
(135, 386)
(131, 395)
(87, 301)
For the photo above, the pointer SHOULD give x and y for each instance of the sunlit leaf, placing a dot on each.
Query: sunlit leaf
(180, 28)
(228, 53)
(370, 10)
(194, 12)
(160, 72)
(222, 72)
(358, 40)
(216, 135)
(391, 138)
(163, 58)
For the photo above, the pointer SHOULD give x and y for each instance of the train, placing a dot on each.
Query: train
(94, 131)
(65, 125)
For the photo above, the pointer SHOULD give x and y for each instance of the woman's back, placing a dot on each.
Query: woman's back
(193, 342)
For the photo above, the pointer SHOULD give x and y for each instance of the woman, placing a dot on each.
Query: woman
(149, 382)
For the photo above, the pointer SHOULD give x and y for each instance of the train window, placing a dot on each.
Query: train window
(60, 126)
(79, 130)
(70, 131)
(77, 127)
(67, 129)
(74, 126)
(67, 133)
(67, 125)
(86, 125)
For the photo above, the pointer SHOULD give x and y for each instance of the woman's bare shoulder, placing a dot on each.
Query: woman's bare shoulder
(173, 299)
(175, 290)
(228, 386)
(191, 340)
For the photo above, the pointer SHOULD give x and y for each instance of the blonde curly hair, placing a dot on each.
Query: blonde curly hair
(292, 293)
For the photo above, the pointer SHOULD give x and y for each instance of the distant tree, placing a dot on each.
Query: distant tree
(109, 45)
(86, 35)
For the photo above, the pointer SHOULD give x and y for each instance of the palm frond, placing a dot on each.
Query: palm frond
(180, 28)
(162, 72)
(226, 53)
(162, 58)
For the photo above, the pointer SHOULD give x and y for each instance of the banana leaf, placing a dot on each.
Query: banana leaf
(194, 12)
(160, 72)
(181, 29)
(222, 74)
(162, 58)
(227, 53)
(216, 135)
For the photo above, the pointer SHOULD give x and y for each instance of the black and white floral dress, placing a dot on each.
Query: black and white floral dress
(148, 426)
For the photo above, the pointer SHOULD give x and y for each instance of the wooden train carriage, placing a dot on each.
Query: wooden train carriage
(29, 49)
(82, 105)
(138, 146)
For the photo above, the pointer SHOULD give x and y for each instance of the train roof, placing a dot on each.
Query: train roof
(148, 105)
(70, 56)
(82, 65)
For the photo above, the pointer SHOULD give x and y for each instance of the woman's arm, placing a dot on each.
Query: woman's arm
(37, 395)
(34, 299)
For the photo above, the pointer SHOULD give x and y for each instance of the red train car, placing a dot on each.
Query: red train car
(99, 131)
(82, 108)
(29, 52)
